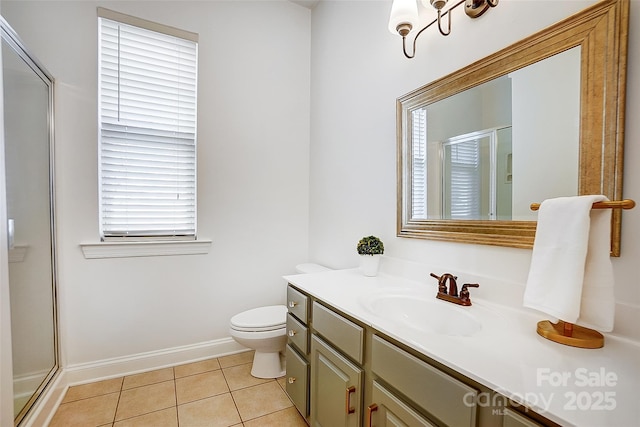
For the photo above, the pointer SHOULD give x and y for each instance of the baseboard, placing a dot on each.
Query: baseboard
(43, 409)
(24, 385)
(112, 368)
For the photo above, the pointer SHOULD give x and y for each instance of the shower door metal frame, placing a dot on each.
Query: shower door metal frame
(14, 41)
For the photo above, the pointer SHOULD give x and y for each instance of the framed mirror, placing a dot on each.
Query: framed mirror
(471, 177)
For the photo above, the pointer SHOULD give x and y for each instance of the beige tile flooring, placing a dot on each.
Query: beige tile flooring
(216, 392)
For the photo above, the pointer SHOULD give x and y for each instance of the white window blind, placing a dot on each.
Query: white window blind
(147, 91)
(465, 179)
(419, 164)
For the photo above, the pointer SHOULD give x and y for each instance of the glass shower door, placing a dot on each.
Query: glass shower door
(27, 127)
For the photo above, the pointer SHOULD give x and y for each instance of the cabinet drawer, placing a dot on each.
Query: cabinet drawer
(389, 411)
(297, 381)
(298, 304)
(447, 399)
(514, 419)
(343, 333)
(297, 334)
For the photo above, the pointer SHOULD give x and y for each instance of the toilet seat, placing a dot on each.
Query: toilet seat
(260, 319)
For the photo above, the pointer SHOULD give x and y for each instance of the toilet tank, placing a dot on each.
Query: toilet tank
(310, 268)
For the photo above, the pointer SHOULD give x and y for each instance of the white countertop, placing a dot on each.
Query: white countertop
(571, 386)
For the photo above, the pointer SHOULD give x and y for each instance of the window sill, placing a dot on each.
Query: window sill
(144, 249)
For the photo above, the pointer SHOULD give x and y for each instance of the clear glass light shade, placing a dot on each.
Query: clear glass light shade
(403, 11)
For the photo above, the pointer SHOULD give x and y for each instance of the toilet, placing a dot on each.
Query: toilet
(263, 329)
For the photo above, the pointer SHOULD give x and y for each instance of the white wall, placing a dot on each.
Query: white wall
(358, 71)
(253, 148)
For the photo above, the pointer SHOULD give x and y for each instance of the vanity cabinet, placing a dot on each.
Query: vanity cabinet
(297, 350)
(341, 372)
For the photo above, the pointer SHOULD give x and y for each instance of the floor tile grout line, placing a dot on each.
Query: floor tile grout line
(89, 397)
(145, 414)
(118, 402)
(231, 395)
(175, 395)
(150, 412)
(200, 399)
(121, 389)
(269, 413)
(229, 391)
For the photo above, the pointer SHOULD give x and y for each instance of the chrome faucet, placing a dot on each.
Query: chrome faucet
(451, 294)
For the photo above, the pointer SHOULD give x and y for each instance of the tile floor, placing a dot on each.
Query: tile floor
(216, 392)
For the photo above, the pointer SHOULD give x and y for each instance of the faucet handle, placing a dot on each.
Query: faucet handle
(442, 284)
(465, 298)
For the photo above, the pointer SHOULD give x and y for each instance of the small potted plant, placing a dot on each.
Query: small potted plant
(370, 248)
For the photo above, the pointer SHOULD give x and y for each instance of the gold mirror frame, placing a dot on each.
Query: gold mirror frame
(602, 32)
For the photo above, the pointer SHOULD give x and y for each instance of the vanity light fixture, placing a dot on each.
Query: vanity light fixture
(404, 17)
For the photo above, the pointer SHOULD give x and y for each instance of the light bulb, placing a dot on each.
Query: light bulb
(403, 12)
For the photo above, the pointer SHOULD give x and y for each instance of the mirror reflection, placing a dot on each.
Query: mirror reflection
(560, 92)
(487, 152)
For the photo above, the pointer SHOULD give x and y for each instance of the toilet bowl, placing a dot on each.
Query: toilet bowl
(262, 329)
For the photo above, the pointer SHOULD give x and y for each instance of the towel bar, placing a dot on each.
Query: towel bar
(613, 204)
(565, 332)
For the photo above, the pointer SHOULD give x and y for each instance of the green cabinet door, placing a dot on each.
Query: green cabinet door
(389, 411)
(336, 388)
(297, 380)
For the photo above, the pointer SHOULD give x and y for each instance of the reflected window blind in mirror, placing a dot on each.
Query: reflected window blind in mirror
(462, 180)
(419, 163)
(147, 90)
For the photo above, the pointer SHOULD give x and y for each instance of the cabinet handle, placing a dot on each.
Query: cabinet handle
(370, 410)
(292, 304)
(292, 332)
(292, 380)
(349, 390)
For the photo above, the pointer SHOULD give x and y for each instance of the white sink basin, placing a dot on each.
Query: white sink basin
(423, 313)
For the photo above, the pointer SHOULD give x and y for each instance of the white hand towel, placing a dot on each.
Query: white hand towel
(571, 277)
